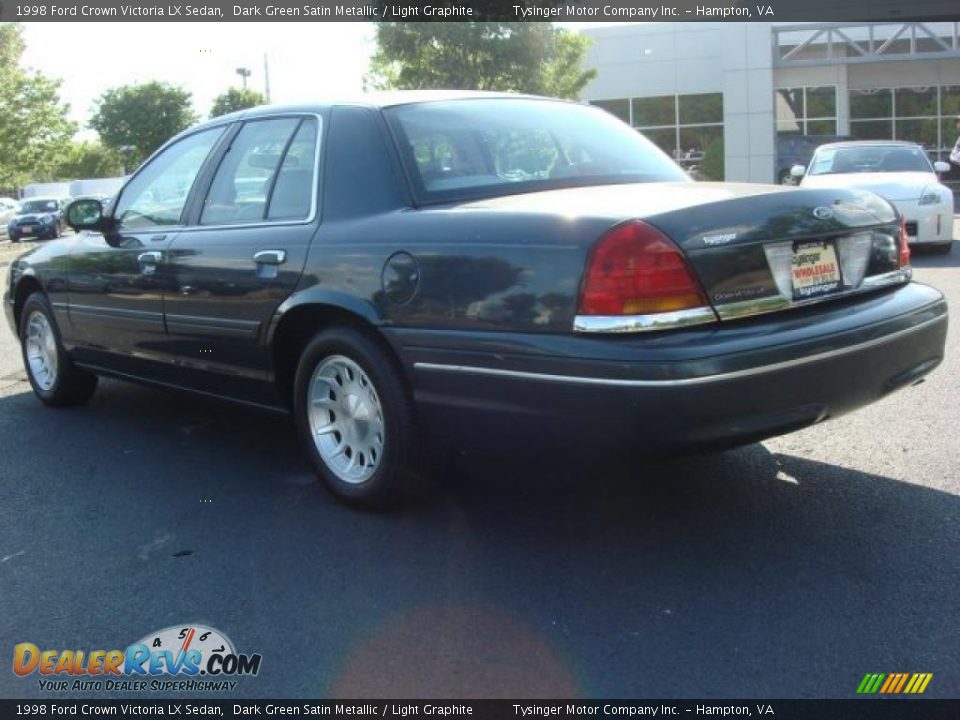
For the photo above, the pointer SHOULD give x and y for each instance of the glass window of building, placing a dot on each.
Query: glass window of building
(617, 108)
(654, 111)
(922, 115)
(688, 128)
(806, 110)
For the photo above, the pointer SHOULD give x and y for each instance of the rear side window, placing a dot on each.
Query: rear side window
(293, 191)
(266, 173)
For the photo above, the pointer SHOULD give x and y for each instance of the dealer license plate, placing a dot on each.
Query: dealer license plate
(814, 270)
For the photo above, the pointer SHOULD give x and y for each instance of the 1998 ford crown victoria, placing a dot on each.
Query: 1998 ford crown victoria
(463, 267)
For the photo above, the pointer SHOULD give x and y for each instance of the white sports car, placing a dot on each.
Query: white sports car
(900, 172)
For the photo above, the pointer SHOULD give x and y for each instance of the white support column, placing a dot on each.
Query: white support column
(748, 108)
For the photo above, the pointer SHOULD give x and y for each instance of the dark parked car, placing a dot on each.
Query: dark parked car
(37, 217)
(471, 268)
(798, 150)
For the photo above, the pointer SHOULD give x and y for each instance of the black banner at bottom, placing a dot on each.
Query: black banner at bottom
(865, 709)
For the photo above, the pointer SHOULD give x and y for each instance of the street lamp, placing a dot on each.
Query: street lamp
(126, 151)
(244, 73)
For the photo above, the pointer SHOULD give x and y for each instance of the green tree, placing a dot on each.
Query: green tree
(142, 117)
(531, 58)
(236, 99)
(11, 45)
(34, 122)
(78, 160)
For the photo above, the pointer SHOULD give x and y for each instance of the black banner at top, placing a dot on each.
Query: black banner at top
(478, 10)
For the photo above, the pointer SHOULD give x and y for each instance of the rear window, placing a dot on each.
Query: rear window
(479, 148)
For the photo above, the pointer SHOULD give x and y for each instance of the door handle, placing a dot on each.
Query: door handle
(270, 257)
(148, 261)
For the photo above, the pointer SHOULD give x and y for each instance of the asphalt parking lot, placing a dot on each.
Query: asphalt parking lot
(784, 569)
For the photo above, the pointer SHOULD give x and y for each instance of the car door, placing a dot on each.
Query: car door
(242, 255)
(115, 293)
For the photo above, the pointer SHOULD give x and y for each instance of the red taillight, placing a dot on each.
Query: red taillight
(636, 270)
(904, 244)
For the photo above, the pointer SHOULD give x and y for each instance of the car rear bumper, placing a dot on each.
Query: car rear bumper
(736, 383)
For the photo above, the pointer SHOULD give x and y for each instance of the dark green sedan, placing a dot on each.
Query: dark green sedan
(415, 272)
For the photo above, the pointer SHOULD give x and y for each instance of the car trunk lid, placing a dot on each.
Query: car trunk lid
(769, 251)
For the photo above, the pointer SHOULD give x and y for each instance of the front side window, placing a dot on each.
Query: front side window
(467, 148)
(158, 193)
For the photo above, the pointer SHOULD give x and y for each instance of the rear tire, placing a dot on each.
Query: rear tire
(52, 375)
(356, 419)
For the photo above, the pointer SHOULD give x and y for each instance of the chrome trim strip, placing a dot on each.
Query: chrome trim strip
(643, 323)
(774, 303)
(679, 382)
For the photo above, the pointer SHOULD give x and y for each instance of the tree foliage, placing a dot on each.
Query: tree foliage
(531, 58)
(236, 99)
(79, 160)
(11, 46)
(34, 122)
(142, 117)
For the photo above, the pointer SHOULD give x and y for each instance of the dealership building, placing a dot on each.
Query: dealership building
(731, 100)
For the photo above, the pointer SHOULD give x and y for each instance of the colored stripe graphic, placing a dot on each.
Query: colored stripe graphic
(894, 683)
(891, 679)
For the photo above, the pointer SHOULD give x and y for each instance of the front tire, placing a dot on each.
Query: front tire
(53, 376)
(355, 417)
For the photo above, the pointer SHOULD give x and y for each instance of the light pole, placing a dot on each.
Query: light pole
(244, 73)
(126, 151)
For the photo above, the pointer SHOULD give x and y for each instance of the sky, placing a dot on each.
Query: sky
(307, 60)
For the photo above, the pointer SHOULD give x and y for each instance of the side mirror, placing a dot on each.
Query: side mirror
(941, 167)
(86, 214)
(798, 171)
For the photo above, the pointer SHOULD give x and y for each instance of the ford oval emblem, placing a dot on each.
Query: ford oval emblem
(822, 213)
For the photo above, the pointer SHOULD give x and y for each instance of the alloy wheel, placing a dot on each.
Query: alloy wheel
(346, 419)
(41, 350)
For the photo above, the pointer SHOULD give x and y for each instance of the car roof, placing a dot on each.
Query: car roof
(41, 198)
(384, 99)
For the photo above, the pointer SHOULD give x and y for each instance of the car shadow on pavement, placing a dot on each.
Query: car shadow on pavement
(741, 574)
(924, 257)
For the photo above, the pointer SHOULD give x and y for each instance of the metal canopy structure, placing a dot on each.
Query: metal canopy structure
(844, 43)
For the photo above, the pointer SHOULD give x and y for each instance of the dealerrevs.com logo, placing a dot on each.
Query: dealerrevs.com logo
(182, 657)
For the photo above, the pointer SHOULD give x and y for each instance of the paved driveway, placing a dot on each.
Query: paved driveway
(787, 568)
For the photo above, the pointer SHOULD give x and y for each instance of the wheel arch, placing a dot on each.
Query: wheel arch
(27, 284)
(296, 323)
